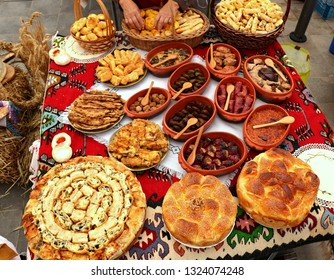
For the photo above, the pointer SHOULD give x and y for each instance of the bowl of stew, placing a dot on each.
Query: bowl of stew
(184, 55)
(268, 137)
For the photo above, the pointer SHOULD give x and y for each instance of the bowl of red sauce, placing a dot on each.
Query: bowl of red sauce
(268, 137)
(218, 153)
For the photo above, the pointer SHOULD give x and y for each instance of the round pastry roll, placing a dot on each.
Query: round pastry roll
(276, 189)
(87, 208)
(199, 211)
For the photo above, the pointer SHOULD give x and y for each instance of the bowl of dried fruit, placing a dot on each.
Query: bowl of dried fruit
(218, 153)
(177, 116)
(195, 73)
(164, 59)
(273, 83)
(241, 101)
(159, 99)
(227, 60)
(268, 137)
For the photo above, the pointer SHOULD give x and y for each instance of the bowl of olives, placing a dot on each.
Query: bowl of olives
(195, 73)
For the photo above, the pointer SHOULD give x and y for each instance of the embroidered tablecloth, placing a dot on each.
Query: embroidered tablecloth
(248, 239)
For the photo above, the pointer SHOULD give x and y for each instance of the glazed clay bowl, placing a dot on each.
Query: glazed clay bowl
(215, 163)
(265, 138)
(266, 94)
(184, 70)
(225, 72)
(182, 110)
(154, 107)
(242, 99)
(165, 71)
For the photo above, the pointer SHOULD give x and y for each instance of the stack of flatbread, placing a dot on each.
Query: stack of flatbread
(96, 110)
(7, 72)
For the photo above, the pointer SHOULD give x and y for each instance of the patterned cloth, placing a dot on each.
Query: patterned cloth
(248, 239)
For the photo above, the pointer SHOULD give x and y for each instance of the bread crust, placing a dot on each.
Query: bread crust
(199, 210)
(87, 208)
(277, 189)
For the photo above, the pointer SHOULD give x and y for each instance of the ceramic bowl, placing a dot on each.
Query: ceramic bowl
(265, 94)
(220, 74)
(134, 101)
(234, 145)
(247, 101)
(265, 138)
(183, 70)
(165, 71)
(186, 104)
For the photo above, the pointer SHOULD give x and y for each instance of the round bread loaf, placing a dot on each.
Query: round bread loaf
(199, 210)
(277, 189)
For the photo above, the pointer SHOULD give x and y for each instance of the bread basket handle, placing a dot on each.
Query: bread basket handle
(78, 14)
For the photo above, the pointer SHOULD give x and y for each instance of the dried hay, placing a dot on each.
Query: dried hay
(26, 91)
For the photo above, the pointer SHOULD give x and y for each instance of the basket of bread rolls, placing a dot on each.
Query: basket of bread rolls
(94, 32)
(249, 24)
(189, 27)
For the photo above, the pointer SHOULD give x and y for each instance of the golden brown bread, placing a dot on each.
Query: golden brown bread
(276, 189)
(199, 210)
(87, 208)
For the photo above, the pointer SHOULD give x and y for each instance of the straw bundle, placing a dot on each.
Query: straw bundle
(26, 92)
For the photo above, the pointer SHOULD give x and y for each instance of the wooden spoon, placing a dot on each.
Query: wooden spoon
(285, 120)
(146, 98)
(184, 86)
(229, 90)
(192, 156)
(212, 61)
(169, 57)
(190, 122)
(271, 64)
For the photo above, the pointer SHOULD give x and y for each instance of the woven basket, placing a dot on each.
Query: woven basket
(101, 44)
(246, 40)
(149, 42)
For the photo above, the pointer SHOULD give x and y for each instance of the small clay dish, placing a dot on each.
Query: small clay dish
(159, 100)
(265, 138)
(254, 69)
(193, 72)
(218, 153)
(177, 115)
(227, 69)
(242, 98)
(168, 48)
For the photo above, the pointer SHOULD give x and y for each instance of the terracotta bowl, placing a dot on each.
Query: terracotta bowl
(265, 138)
(267, 95)
(220, 98)
(235, 161)
(182, 104)
(165, 71)
(220, 74)
(182, 70)
(146, 114)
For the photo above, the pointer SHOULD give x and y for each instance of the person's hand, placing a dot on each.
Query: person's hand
(131, 14)
(166, 15)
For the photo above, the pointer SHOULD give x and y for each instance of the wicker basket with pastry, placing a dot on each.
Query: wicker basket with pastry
(87, 208)
(276, 189)
(199, 211)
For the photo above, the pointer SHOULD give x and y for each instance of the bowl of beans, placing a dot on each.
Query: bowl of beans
(228, 60)
(241, 101)
(159, 99)
(177, 116)
(217, 153)
(183, 51)
(268, 137)
(195, 73)
(270, 86)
